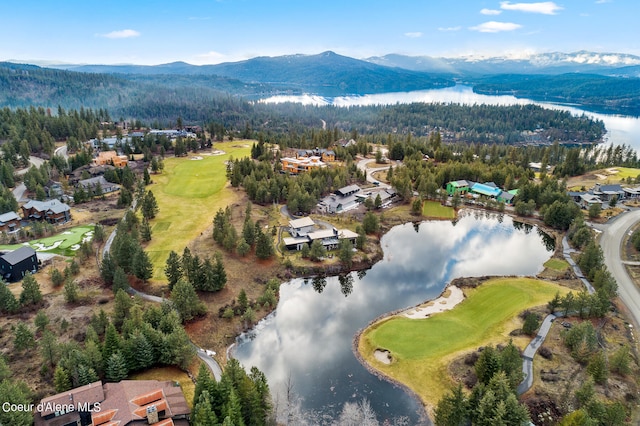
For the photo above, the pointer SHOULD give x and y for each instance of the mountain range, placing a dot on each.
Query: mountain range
(603, 81)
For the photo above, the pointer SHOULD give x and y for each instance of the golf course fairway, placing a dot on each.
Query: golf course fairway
(421, 349)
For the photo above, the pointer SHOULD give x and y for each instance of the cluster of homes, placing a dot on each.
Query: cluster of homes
(307, 160)
(129, 402)
(476, 189)
(603, 194)
(52, 211)
(304, 231)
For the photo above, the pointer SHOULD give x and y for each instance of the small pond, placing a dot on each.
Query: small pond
(307, 342)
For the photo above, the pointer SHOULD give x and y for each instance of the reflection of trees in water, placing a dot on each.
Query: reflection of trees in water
(346, 284)
(548, 240)
(319, 283)
(361, 274)
(287, 406)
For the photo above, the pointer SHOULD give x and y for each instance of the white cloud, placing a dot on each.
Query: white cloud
(211, 57)
(495, 27)
(449, 28)
(603, 1)
(490, 12)
(545, 8)
(416, 34)
(121, 34)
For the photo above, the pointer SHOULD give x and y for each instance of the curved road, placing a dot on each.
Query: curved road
(362, 165)
(530, 351)
(611, 240)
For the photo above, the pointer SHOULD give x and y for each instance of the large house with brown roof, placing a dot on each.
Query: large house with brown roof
(129, 402)
(53, 211)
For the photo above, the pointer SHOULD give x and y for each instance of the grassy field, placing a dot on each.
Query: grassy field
(433, 209)
(608, 176)
(170, 373)
(556, 264)
(422, 349)
(65, 243)
(189, 192)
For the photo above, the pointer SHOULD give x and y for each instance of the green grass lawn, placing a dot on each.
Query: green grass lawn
(556, 264)
(625, 172)
(434, 209)
(66, 243)
(422, 349)
(189, 192)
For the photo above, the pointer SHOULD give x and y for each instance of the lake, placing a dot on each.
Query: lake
(620, 129)
(307, 342)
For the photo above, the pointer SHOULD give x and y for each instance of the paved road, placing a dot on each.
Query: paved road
(362, 165)
(20, 189)
(530, 351)
(61, 151)
(566, 252)
(610, 241)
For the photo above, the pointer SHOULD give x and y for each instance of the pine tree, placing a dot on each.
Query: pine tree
(116, 368)
(243, 301)
(452, 409)
(41, 321)
(264, 245)
(145, 230)
(186, 301)
(203, 382)
(71, 291)
(86, 375)
(203, 414)
(121, 308)
(173, 269)
(30, 291)
(149, 206)
(142, 266)
(112, 343)
(61, 379)
(120, 280)
(23, 337)
(49, 348)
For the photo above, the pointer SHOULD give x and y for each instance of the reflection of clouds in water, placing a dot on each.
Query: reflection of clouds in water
(310, 336)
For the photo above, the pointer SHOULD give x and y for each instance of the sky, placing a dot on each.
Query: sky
(213, 31)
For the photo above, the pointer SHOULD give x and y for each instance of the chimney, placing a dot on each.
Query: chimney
(152, 414)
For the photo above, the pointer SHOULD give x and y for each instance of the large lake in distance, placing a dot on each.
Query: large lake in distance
(308, 340)
(620, 129)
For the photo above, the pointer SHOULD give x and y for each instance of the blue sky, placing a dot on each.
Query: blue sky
(214, 31)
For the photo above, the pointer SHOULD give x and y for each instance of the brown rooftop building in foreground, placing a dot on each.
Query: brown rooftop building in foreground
(129, 402)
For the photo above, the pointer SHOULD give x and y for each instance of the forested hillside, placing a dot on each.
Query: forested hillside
(610, 94)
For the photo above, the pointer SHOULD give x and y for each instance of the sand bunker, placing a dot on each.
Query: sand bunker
(196, 158)
(441, 304)
(383, 356)
(217, 152)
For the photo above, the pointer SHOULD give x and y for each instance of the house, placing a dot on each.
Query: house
(341, 200)
(91, 184)
(346, 143)
(608, 192)
(587, 200)
(486, 190)
(338, 204)
(458, 187)
(110, 157)
(330, 238)
(53, 211)
(129, 402)
(14, 265)
(347, 190)
(301, 165)
(506, 197)
(324, 154)
(631, 193)
(9, 222)
(301, 227)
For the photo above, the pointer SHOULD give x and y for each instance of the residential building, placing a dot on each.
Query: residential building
(607, 192)
(346, 143)
(458, 187)
(341, 200)
(9, 222)
(301, 227)
(92, 183)
(110, 157)
(587, 200)
(330, 238)
(53, 211)
(487, 190)
(129, 402)
(14, 265)
(324, 154)
(301, 165)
